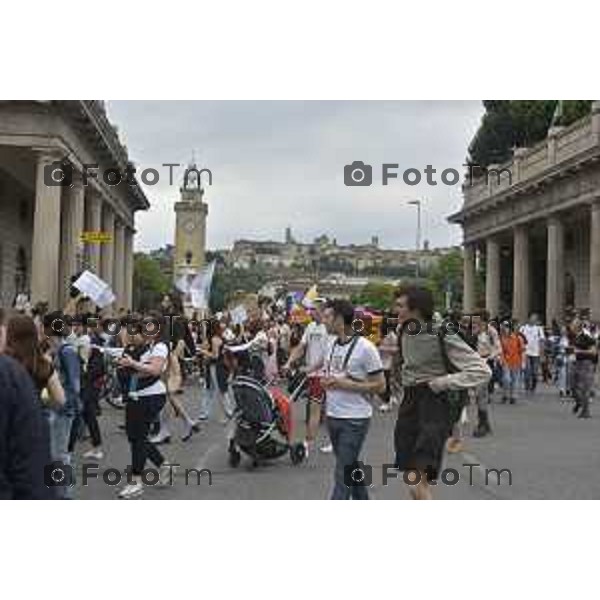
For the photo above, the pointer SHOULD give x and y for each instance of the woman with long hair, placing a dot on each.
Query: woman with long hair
(213, 351)
(22, 343)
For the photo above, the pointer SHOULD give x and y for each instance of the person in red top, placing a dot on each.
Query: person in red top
(513, 348)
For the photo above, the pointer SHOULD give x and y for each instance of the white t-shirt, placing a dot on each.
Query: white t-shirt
(363, 361)
(158, 387)
(534, 335)
(316, 342)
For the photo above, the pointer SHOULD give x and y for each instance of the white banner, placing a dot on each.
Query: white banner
(96, 289)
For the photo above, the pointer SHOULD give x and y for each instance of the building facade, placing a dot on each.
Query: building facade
(533, 226)
(42, 220)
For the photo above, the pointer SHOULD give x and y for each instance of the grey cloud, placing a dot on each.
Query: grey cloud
(281, 163)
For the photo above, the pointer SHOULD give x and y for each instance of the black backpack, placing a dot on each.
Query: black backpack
(457, 399)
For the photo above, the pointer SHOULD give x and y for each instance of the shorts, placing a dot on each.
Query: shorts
(422, 428)
(315, 390)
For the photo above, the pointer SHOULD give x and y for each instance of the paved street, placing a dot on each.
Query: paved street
(550, 453)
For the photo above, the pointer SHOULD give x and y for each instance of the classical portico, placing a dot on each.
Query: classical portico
(534, 224)
(41, 245)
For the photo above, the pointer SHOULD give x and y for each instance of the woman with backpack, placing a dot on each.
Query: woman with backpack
(437, 365)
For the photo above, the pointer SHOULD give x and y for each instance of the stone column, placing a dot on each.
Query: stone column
(521, 274)
(72, 225)
(107, 249)
(129, 268)
(595, 262)
(119, 265)
(93, 209)
(469, 279)
(45, 255)
(555, 273)
(492, 277)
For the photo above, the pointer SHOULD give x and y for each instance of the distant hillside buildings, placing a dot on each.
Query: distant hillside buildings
(324, 255)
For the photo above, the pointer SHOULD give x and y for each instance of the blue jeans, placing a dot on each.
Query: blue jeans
(60, 432)
(347, 438)
(531, 372)
(510, 378)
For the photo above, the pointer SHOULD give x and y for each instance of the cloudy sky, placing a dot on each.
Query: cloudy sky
(278, 164)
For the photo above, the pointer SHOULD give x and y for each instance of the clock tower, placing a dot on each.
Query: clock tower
(190, 226)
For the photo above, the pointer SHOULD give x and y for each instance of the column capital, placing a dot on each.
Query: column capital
(48, 154)
(554, 220)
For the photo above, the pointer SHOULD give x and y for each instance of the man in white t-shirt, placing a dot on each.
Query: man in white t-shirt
(353, 374)
(313, 346)
(534, 336)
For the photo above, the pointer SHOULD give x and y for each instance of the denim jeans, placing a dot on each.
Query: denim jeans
(60, 432)
(531, 372)
(347, 438)
(510, 378)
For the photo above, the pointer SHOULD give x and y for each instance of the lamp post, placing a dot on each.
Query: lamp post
(417, 203)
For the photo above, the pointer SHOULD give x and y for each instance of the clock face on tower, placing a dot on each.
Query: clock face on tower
(189, 226)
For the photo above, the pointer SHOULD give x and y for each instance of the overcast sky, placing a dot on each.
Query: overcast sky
(278, 164)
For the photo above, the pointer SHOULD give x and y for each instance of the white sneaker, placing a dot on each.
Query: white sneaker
(164, 476)
(94, 454)
(160, 438)
(306, 449)
(327, 448)
(131, 490)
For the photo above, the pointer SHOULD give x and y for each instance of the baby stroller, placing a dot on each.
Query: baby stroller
(263, 423)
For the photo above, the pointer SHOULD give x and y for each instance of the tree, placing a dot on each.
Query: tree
(507, 124)
(227, 281)
(376, 295)
(447, 275)
(149, 282)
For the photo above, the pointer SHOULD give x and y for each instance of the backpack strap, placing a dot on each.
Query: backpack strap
(450, 368)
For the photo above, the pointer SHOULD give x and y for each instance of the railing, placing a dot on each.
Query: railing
(527, 164)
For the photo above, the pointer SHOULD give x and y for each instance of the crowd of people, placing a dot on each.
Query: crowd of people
(443, 375)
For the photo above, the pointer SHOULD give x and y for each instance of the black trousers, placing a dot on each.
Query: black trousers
(90, 397)
(386, 395)
(139, 416)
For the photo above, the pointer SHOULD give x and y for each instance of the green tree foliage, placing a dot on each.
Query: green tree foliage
(507, 124)
(227, 281)
(149, 282)
(447, 275)
(376, 295)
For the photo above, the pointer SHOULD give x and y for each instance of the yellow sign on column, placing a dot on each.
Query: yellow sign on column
(95, 237)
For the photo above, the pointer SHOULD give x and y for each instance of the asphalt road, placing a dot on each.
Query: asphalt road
(550, 454)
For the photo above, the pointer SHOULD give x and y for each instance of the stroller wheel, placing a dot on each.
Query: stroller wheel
(297, 453)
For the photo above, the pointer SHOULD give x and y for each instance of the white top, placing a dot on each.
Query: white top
(316, 341)
(363, 361)
(158, 387)
(534, 335)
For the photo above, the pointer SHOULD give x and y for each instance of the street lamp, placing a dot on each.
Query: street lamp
(417, 203)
